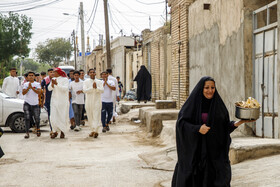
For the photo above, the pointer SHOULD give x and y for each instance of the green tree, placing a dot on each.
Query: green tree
(15, 35)
(53, 51)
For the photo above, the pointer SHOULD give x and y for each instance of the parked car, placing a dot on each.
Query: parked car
(67, 69)
(12, 115)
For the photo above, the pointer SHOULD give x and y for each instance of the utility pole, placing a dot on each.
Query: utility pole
(150, 22)
(75, 50)
(82, 36)
(166, 2)
(108, 47)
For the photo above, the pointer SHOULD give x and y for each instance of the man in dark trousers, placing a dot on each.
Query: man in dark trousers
(144, 84)
(45, 83)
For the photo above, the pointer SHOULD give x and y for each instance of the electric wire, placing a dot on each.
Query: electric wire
(125, 18)
(92, 10)
(19, 3)
(30, 8)
(150, 3)
(93, 16)
(111, 18)
(136, 10)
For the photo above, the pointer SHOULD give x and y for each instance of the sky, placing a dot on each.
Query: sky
(49, 22)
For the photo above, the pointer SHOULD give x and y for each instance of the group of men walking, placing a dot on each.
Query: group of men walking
(64, 97)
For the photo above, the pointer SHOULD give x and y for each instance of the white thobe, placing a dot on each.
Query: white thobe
(115, 93)
(93, 103)
(59, 116)
(11, 86)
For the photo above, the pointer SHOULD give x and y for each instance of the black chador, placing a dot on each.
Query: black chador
(144, 84)
(203, 160)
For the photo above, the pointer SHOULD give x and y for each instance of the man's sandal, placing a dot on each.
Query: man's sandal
(38, 133)
(62, 135)
(54, 135)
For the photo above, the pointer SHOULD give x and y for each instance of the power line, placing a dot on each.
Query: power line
(30, 8)
(112, 21)
(121, 30)
(125, 17)
(136, 10)
(19, 3)
(92, 10)
(52, 28)
(93, 16)
(150, 3)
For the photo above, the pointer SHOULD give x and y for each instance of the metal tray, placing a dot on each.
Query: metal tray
(247, 113)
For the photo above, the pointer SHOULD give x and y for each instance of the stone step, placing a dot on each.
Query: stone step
(153, 118)
(165, 104)
(126, 106)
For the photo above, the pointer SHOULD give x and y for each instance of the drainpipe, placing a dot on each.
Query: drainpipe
(179, 71)
(273, 87)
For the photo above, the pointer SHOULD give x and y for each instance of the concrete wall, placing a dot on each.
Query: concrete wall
(133, 63)
(118, 56)
(220, 45)
(216, 47)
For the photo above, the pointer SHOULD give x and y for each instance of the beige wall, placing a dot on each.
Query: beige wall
(96, 60)
(220, 45)
(133, 63)
(179, 33)
(160, 60)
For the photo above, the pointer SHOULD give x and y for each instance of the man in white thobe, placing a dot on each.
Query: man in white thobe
(11, 84)
(59, 103)
(116, 94)
(93, 88)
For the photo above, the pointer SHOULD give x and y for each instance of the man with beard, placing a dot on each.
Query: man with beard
(59, 103)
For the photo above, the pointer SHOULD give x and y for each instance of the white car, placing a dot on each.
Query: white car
(12, 115)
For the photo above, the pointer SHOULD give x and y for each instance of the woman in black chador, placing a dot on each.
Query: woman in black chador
(144, 84)
(203, 138)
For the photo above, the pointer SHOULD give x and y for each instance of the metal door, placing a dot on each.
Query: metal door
(265, 72)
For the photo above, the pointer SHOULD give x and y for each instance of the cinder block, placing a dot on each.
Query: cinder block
(165, 104)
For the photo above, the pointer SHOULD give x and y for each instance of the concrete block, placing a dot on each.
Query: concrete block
(252, 148)
(153, 118)
(165, 104)
(143, 112)
(125, 108)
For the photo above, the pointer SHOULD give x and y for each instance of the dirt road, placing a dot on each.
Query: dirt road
(110, 160)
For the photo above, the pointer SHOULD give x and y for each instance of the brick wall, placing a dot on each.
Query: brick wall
(179, 33)
(157, 42)
(96, 60)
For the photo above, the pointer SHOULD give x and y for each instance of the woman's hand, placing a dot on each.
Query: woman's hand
(243, 121)
(204, 129)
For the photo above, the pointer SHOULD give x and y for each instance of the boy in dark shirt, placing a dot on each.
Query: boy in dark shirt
(45, 83)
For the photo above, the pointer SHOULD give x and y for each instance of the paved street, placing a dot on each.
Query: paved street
(263, 172)
(110, 160)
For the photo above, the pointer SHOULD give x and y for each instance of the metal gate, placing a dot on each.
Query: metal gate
(265, 69)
